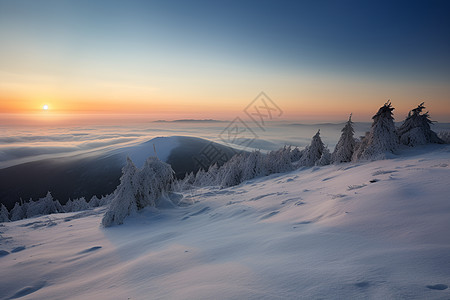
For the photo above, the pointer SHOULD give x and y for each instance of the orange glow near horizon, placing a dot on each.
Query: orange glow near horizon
(320, 97)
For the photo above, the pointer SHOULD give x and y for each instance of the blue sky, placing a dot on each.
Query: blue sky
(170, 44)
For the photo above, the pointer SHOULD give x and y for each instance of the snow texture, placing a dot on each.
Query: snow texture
(298, 235)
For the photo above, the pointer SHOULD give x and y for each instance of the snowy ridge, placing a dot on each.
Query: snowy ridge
(376, 230)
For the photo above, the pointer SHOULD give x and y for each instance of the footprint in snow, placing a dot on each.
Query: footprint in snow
(18, 249)
(362, 284)
(92, 249)
(355, 186)
(28, 290)
(290, 200)
(381, 172)
(201, 211)
(337, 196)
(439, 287)
(269, 215)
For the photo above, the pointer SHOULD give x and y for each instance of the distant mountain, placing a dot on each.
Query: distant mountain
(82, 176)
(190, 121)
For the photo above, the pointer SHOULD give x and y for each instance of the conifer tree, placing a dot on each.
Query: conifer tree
(124, 201)
(313, 153)
(17, 213)
(382, 137)
(416, 129)
(345, 147)
(4, 214)
(138, 189)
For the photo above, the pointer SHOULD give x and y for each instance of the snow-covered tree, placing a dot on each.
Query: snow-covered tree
(278, 161)
(382, 137)
(210, 177)
(231, 172)
(155, 178)
(18, 212)
(124, 201)
(4, 214)
(94, 202)
(296, 154)
(444, 136)
(253, 166)
(80, 204)
(138, 189)
(199, 178)
(325, 159)
(313, 153)
(44, 206)
(345, 147)
(416, 129)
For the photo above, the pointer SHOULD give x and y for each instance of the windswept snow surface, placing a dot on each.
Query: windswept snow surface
(377, 230)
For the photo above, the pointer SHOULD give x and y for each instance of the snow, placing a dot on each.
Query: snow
(374, 230)
(139, 153)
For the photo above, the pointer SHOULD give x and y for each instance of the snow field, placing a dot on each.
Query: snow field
(376, 230)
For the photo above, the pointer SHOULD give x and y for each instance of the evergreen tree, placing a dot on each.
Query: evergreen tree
(253, 166)
(94, 202)
(314, 152)
(155, 178)
(345, 147)
(80, 204)
(4, 214)
(200, 178)
(325, 159)
(17, 213)
(296, 154)
(231, 172)
(278, 161)
(44, 206)
(416, 129)
(124, 201)
(211, 176)
(382, 137)
(138, 189)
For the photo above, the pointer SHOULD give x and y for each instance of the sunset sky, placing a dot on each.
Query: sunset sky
(209, 59)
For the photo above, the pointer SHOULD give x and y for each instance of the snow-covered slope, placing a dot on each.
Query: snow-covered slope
(375, 230)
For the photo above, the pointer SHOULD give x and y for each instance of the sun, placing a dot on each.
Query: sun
(45, 107)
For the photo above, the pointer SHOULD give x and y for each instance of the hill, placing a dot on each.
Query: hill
(376, 230)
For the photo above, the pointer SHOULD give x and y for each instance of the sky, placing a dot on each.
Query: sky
(317, 60)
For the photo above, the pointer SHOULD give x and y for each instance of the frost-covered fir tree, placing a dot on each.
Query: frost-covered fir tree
(44, 206)
(94, 202)
(155, 179)
(416, 129)
(80, 204)
(253, 166)
(382, 137)
(138, 189)
(210, 177)
(4, 214)
(231, 172)
(313, 153)
(325, 159)
(18, 212)
(296, 154)
(278, 161)
(124, 201)
(345, 147)
(199, 178)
